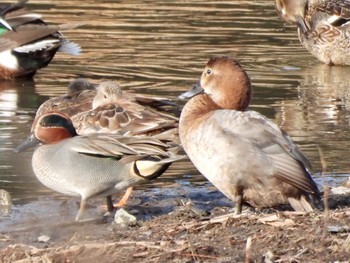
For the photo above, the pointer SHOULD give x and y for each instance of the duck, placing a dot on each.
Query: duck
(95, 165)
(242, 153)
(105, 108)
(27, 43)
(114, 111)
(323, 27)
(78, 98)
(82, 96)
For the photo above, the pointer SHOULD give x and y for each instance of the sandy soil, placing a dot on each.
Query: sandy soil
(175, 225)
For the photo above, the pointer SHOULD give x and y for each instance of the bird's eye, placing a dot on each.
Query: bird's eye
(105, 96)
(208, 71)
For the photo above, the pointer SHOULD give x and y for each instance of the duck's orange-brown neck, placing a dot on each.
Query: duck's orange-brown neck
(51, 135)
(196, 109)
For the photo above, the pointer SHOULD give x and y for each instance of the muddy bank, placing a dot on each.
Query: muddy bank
(175, 225)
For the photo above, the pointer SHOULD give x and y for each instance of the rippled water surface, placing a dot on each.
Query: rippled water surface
(161, 47)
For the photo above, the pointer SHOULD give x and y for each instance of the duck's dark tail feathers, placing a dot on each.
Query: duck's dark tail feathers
(305, 204)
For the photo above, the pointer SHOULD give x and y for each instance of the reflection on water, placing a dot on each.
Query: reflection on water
(320, 114)
(160, 47)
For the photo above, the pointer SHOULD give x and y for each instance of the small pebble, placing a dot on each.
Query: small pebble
(5, 198)
(338, 229)
(43, 238)
(124, 218)
(340, 190)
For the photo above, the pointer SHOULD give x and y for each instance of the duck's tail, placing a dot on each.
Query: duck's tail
(67, 46)
(305, 204)
(70, 48)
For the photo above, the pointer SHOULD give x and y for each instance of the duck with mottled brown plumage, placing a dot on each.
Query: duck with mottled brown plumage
(323, 27)
(114, 111)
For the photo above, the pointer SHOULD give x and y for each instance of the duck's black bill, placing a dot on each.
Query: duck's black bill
(302, 25)
(197, 89)
(30, 142)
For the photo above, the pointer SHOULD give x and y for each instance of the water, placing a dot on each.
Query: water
(161, 47)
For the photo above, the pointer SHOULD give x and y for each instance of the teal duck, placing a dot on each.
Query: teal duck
(78, 98)
(105, 108)
(114, 111)
(95, 165)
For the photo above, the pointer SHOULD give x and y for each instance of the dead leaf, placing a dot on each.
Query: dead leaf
(275, 221)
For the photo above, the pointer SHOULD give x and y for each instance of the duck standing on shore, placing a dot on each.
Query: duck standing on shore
(105, 108)
(95, 165)
(241, 152)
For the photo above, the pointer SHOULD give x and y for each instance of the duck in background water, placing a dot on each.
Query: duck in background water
(241, 152)
(27, 43)
(323, 27)
(95, 165)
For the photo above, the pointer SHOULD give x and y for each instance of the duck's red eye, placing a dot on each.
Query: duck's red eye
(208, 71)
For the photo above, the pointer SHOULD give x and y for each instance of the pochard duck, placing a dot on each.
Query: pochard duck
(241, 152)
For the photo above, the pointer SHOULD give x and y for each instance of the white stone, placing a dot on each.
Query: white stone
(124, 218)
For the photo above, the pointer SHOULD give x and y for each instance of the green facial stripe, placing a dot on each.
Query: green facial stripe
(3, 30)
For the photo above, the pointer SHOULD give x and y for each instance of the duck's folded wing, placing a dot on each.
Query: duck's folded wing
(331, 7)
(6, 44)
(289, 163)
(124, 118)
(21, 16)
(28, 33)
(261, 131)
(289, 170)
(107, 145)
